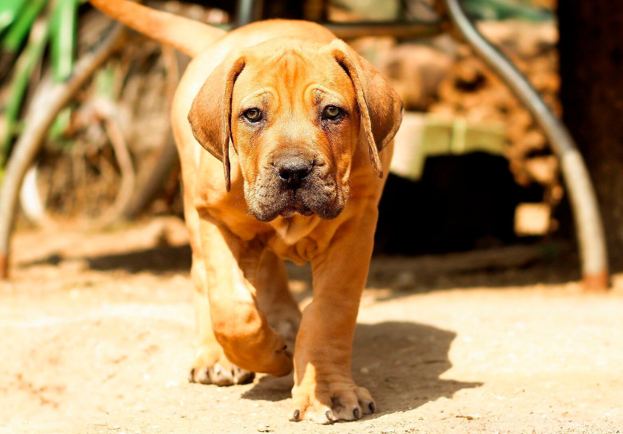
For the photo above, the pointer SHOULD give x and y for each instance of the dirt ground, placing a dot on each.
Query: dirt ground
(97, 335)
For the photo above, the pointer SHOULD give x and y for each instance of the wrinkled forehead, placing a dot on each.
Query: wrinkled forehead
(294, 71)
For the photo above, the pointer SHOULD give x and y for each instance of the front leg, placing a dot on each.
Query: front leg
(324, 390)
(239, 326)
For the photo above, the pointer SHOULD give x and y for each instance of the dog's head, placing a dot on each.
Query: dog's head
(293, 112)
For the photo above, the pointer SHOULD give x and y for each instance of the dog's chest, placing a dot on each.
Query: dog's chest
(299, 239)
(292, 230)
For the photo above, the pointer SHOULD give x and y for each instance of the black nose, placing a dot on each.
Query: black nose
(293, 170)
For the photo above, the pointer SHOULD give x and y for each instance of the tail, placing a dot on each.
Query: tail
(188, 36)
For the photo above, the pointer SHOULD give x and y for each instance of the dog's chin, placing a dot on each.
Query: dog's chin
(268, 200)
(272, 208)
(291, 210)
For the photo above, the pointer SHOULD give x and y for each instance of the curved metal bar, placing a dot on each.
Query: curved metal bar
(588, 223)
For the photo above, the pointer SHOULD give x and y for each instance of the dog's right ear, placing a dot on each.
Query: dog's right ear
(210, 113)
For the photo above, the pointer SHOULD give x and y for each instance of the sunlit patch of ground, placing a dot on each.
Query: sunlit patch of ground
(97, 335)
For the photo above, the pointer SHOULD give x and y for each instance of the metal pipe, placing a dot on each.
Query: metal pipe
(248, 11)
(584, 205)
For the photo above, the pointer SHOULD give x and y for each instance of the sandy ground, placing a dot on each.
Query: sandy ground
(97, 335)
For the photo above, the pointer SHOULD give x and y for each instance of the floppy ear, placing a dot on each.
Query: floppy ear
(379, 105)
(210, 113)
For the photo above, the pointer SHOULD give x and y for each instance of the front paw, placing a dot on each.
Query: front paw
(325, 401)
(249, 342)
(212, 367)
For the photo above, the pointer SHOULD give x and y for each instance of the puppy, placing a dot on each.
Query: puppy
(293, 122)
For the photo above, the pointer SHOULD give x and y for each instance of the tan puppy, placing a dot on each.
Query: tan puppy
(296, 120)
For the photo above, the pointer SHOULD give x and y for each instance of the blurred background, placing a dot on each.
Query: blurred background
(474, 318)
(472, 169)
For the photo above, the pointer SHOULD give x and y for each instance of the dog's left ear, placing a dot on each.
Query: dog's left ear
(379, 105)
(210, 113)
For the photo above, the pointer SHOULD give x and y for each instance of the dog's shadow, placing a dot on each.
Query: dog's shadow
(399, 362)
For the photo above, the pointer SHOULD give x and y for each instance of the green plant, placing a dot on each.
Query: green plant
(27, 29)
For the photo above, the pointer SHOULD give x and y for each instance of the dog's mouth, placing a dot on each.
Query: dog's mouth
(291, 210)
(288, 204)
(266, 204)
(295, 207)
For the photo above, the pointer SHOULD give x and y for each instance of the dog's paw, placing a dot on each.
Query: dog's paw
(327, 402)
(212, 367)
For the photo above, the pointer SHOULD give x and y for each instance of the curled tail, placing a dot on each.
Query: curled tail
(188, 36)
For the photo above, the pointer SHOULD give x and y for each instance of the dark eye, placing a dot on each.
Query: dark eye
(331, 112)
(253, 115)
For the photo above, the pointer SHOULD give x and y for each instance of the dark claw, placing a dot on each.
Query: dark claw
(372, 407)
(356, 413)
(296, 415)
(243, 377)
(329, 415)
(191, 377)
(202, 375)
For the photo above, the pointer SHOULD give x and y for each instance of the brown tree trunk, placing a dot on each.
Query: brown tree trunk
(591, 67)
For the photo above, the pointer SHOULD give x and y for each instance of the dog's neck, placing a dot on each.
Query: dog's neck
(293, 229)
